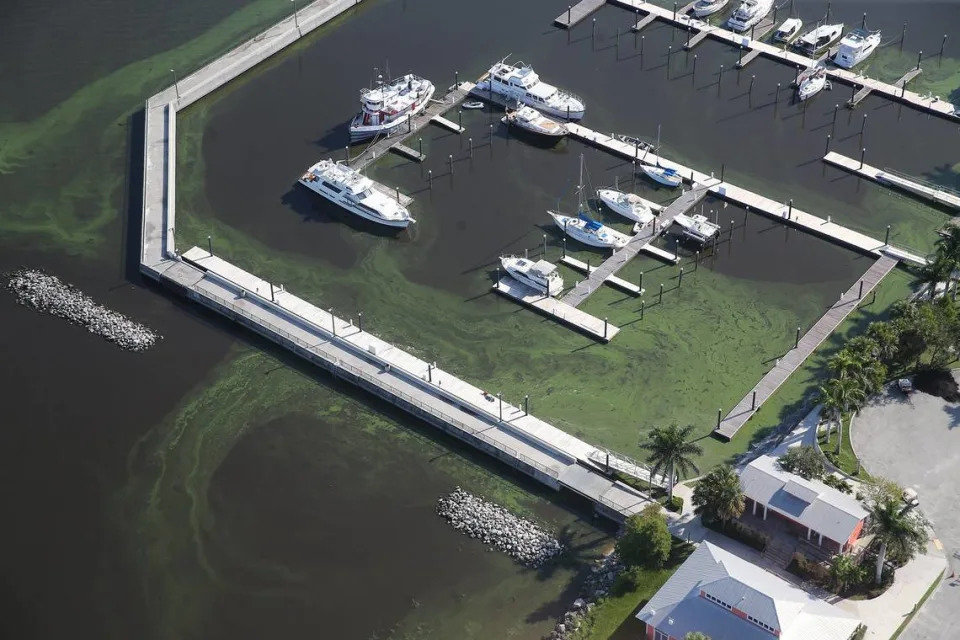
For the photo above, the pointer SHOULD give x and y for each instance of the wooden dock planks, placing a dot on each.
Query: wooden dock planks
(812, 339)
(935, 194)
(578, 13)
(613, 281)
(404, 150)
(555, 309)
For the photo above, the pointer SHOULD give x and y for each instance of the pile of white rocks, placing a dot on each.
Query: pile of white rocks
(596, 585)
(523, 540)
(46, 293)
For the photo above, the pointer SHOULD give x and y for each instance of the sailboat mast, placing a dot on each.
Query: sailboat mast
(580, 187)
(658, 145)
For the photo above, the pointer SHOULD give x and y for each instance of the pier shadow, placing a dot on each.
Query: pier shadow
(132, 227)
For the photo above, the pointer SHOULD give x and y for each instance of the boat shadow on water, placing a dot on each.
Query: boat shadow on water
(335, 139)
(313, 208)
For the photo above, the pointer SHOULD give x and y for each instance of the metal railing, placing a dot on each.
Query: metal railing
(332, 361)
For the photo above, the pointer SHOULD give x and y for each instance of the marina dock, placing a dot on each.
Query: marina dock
(867, 90)
(793, 359)
(782, 211)
(555, 309)
(576, 296)
(935, 193)
(578, 13)
(930, 104)
(404, 150)
(613, 281)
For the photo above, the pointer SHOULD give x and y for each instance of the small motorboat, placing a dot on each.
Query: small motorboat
(818, 39)
(629, 205)
(855, 47)
(696, 227)
(664, 176)
(529, 119)
(473, 104)
(704, 8)
(811, 82)
(541, 275)
(788, 30)
(635, 141)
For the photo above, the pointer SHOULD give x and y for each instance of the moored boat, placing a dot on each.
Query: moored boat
(749, 13)
(818, 39)
(855, 47)
(521, 83)
(696, 227)
(589, 231)
(355, 192)
(667, 177)
(811, 82)
(788, 30)
(473, 104)
(541, 275)
(529, 119)
(704, 8)
(388, 106)
(629, 205)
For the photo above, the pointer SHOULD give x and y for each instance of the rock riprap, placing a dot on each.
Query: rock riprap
(524, 541)
(48, 294)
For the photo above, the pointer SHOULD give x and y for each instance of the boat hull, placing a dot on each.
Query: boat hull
(849, 61)
(656, 174)
(359, 131)
(571, 227)
(810, 88)
(609, 198)
(574, 113)
(703, 11)
(355, 210)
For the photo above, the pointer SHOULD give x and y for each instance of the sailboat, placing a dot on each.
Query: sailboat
(585, 229)
(667, 177)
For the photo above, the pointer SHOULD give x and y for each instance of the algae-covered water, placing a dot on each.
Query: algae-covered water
(215, 486)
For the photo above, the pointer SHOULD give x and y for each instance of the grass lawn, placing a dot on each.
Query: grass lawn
(847, 460)
(617, 609)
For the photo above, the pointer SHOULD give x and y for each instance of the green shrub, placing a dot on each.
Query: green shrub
(675, 504)
(646, 541)
(837, 483)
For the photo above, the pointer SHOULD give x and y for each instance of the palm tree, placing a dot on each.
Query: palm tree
(831, 406)
(847, 394)
(898, 529)
(948, 246)
(845, 364)
(671, 452)
(939, 269)
(718, 495)
(886, 337)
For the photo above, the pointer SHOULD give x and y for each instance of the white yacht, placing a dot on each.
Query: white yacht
(629, 205)
(696, 227)
(855, 47)
(749, 13)
(387, 106)
(354, 192)
(667, 177)
(521, 83)
(529, 119)
(788, 30)
(704, 8)
(541, 275)
(818, 39)
(588, 231)
(811, 82)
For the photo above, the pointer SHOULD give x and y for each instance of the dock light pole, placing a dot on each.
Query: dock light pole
(740, 57)
(450, 159)
(694, 68)
(460, 119)
(776, 99)
(526, 405)
(593, 32)
(790, 210)
(296, 20)
(633, 174)
(719, 417)
(753, 404)
(430, 178)
(498, 279)
(886, 240)
(836, 109)
(674, 11)
(491, 132)
(827, 150)
(796, 341)
(544, 246)
(943, 43)
(569, 11)
(860, 295)
(669, 53)
(176, 83)
(750, 91)
(689, 31)
(347, 151)
(660, 300)
(641, 47)
(903, 35)
(210, 245)
(919, 58)
(456, 79)
(641, 309)
(360, 320)
(333, 321)
(863, 124)
(796, 77)
(272, 298)
(723, 166)
(429, 372)
(720, 78)
(500, 398)
(470, 142)
(863, 23)
(863, 152)
(680, 280)
(604, 327)
(696, 263)
(676, 250)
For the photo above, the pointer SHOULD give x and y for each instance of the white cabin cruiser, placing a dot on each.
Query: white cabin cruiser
(696, 227)
(811, 82)
(354, 192)
(704, 8)
(789, 30)
(521, 83)
(529, 119)
(667, 177)
(855, 47)
(629, 205)
(386, 107)
(749, 13)
(541, 275)
(818, 39)
(588, 231)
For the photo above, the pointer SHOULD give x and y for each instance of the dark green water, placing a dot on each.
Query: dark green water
(214, 488)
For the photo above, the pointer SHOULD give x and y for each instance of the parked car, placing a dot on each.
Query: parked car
(905, 385)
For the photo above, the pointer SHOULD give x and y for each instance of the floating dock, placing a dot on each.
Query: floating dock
(578, 13)
(555, 309)
(757, 203)
(613, 281)
(447, 124)
(837, 313)
(867, 90)
(404, 150)
(930, 104)
(936, 194)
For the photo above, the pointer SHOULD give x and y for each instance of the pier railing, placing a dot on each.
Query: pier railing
(334, 362)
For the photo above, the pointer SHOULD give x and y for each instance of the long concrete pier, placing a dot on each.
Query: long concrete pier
(744, 41)
(341, 346)
(781, 211)
(937, 194)
(813, 338)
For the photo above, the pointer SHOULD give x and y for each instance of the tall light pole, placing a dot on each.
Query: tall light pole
(296, 21)
(175, 83)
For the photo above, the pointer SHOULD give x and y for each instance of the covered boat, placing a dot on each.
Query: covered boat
(629, 205)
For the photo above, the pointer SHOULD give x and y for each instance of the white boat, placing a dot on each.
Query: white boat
(749, 13)
(788, 30)
(529, 119)
(855, 47)
(818, 39)
(635, 141)
(522, 84)
(811, 82)
(355, 192)
(704, 8)
(589, 231)
(473, 104)
(696, 227)
(664, 176)
(387, 107)
(541, 275)
(629, 205)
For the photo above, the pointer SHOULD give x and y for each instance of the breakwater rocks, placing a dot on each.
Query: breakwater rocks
(46, 293)
(597, 585)
(523, 540)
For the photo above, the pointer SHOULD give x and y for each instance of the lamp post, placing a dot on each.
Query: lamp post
(296, 20)
(176, 84)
